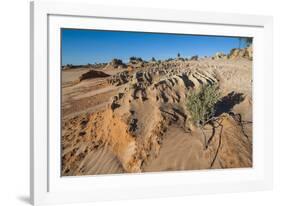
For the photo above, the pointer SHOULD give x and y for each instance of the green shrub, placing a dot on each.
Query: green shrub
(202, 104)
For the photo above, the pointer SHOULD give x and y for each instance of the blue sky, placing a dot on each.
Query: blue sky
(94, 46)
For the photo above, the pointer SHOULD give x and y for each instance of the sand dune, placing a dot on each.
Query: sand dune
(136, 120)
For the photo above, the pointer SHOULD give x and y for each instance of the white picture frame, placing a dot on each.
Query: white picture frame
(47, 186)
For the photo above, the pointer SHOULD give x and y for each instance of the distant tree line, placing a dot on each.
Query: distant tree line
(133, 58)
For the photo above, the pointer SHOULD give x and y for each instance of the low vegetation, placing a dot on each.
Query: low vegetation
(201, 105)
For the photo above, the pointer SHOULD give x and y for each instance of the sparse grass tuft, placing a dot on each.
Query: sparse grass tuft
(201, 104)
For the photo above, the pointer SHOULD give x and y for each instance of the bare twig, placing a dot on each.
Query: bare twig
(205, 138)
(218, 148)
(210, 121)
(238, 118)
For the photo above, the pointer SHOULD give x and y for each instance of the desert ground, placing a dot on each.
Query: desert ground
(132, 117)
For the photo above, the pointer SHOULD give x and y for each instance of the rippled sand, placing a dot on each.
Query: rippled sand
(136, 120)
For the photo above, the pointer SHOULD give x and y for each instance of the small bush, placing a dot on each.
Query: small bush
(201, 104)
(116, 61)
(132, 59)
(194, 57)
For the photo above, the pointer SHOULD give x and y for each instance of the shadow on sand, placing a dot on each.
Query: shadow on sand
(228, 102)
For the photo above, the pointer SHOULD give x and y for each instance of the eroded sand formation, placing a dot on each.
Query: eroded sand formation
(134, 119)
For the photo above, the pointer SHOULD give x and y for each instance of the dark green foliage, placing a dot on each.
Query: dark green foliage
(194, 57)
(117, 61)
(133, 59)
(246, 40)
